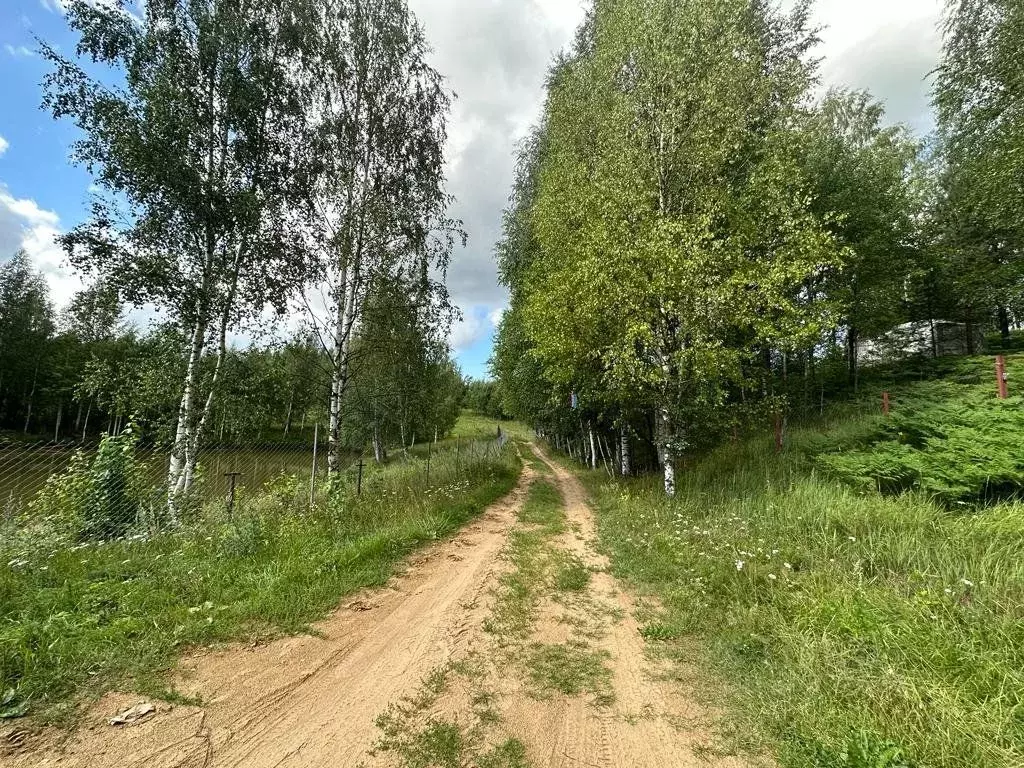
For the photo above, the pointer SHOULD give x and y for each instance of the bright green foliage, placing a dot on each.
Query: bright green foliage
(99, 497)
(843, 628)
(670, 214)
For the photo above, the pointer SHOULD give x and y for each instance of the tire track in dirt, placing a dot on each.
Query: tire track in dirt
(307, 701)
(314, 701)
(650, 723)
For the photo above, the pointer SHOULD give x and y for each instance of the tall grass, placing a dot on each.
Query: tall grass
(79, 620)
(851, 628)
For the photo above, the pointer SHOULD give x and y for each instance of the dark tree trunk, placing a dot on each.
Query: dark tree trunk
(852, 343)
(1004, 324)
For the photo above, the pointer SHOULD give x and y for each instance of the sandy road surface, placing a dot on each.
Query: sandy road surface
(313, 701)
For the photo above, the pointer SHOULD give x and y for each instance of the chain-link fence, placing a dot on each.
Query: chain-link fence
(73, 491)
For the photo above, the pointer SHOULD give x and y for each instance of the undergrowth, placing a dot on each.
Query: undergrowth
(850, 627)
(950, 438)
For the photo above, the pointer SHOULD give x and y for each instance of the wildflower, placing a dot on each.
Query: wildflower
(788, 566)
(967, 582)
(739, 565)
(853, 538)
(772, 576)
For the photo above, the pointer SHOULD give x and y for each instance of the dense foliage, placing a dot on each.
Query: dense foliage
(697, 246)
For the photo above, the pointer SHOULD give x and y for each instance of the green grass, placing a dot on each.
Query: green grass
(543, 508)
(572, 669)
(416, 737)
(842, 626)
(476, 426)
(521, 589)
(77, 621)
(571, 574)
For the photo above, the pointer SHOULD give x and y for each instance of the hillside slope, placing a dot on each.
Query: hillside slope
(861, 595)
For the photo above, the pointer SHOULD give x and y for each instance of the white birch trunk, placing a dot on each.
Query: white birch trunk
(625, 454)
(186, 408)
(666, 434)
(593, 449)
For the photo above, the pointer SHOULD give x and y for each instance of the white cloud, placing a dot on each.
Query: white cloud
(467, 331)
(23, 224)
(496, 316)
(4, 145)
(19, 50)
(495, 55)
(886, 47)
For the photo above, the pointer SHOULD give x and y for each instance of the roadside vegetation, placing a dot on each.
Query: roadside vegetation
(81, 614)
(858, 599)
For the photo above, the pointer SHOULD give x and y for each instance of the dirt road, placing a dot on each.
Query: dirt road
(419, 653)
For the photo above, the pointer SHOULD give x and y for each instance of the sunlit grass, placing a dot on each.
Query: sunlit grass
(850, 628)
(78, 621)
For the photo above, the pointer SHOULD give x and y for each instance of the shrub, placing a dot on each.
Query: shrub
(98, 498)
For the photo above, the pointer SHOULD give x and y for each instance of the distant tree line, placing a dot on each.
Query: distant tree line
(84, 372)
(696, 243)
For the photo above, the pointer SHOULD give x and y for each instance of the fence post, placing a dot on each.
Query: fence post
(312, 476)
(359, 478)
(778, 433)
(1001, 377)
(428, 461)
(231, 493)
(885, 403)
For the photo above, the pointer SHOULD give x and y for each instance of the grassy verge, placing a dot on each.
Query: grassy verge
(850, 627)
(86, 618)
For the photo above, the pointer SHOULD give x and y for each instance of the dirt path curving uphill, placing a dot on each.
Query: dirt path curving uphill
(315, 701)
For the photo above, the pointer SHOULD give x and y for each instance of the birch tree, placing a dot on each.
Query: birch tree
(191, 131)
(380, 203)
(672, 215)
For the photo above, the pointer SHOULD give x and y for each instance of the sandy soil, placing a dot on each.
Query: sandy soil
(314, 701)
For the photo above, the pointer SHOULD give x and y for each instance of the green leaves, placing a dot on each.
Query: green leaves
(10, 706)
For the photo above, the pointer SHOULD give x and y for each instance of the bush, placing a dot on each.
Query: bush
(97, 499)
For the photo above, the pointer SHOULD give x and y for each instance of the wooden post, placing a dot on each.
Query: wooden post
(885, 403)
(778, 433)
(1001, 377)
(312, 475)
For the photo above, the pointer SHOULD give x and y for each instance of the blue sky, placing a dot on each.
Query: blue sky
(495, 54)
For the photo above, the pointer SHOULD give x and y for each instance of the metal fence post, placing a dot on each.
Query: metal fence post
(312, 476)
(231, 493)
(359, 479)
